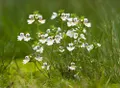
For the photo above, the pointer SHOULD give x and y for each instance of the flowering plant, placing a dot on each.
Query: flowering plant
(61, 46)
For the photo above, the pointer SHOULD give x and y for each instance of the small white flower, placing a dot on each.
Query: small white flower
(38, 58)
(38, 49)
(41, 20)
(20, 37)
(58, 38)
(70, 47)
(50, 40)
(48, 30)
(84, 31)
(26, 60)
(90, 47)
(65, 16)
(82, 36)
(59, 29)
(75, 21)
(43, 38)
(72, 68)
(31, 19)
(45, 65)
(70, 22)
(70, 33)
(75, 35)
(86, 23)
(54, 15)
(98, 44)
(84, 45)
(61, 49)
(27, 37)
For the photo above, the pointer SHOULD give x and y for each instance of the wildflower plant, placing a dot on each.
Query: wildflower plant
(61, 46)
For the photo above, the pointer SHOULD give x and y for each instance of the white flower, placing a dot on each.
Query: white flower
(84, 31)
(75, 21)
(20, 37)
(65, 16)
(43, 38)
(61, 49)
(70, 47)
(38, 49)
(45, 65)
(27, 37)
(58, 29)
(26, 60)
(54, 15)
(86, 23)
(72, 68)
(90, 47)
(50, 40)
(75, 35)
(31, 19)
(98, 44)
(24, 37)
(70, 22)
(48, 30)
(70, 33)
(41, 20)
(82, 36)
(38, 58)
(58, 38)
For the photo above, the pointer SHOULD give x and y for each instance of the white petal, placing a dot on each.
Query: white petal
(75, 35)
(84, 31)
(41, 21)
(50, 42)
(27, 39)
(26, 60)
(70, 33)
(19, 38)
(31, 16)
(39, 58)
(90, 47)
(43, 41)
(72, 68)
(54, 15)
(30, 21)
(98, 44)
(82, 36)
(70, 48)
(87, 24)
(48, 67)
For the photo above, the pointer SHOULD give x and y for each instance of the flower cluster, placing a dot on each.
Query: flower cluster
(64, 40)
(36, 17)
(24, 37)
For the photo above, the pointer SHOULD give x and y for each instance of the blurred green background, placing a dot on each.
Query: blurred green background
(14, 14)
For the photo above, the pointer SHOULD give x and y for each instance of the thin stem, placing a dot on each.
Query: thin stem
(39, 69)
